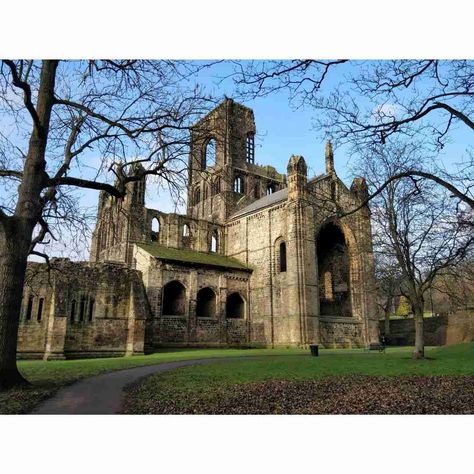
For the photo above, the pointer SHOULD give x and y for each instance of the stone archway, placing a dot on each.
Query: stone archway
(334, 272)
(235, 306)
(174, 299)
(206, 303)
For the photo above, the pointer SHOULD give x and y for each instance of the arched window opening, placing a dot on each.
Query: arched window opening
(235, 306)
(250, 148)
(29, 308)
(206, 303)
(214, 241)
(73, 311)
(210, 153)
(174, 299)
(197, 196)
(155, 229)
(334, 272)
(270, 189)
(282, 259)
(185, 230)
(91, 309)
(82, 309)
(239, 184)
(39, 314)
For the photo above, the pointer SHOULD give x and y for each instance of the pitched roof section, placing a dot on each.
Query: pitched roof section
(262, 203)
(192, 257)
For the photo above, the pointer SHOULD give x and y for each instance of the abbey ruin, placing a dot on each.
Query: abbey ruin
(259, 259)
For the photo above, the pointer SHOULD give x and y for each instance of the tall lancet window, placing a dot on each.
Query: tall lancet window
(250, 148)
(210, 154)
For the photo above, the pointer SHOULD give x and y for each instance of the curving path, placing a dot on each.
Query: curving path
(103, 394)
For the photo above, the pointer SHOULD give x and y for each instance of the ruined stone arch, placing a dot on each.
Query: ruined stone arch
(239, 184)
(335, 250)
(214, 241)
(235, 306)
(155, 227)
(186, 230)
(174, 300)
(209, 153)
(206, 303)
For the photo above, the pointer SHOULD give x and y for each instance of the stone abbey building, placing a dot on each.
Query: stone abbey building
(259, 259)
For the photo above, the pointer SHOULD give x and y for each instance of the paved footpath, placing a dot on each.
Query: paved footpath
(103, 394)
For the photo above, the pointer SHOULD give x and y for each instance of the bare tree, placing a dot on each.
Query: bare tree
(68, 125)
(388, 283)
(371, 102)
(416, 224)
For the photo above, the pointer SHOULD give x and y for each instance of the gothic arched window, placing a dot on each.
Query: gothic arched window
(155, 229)
(282, 259)
(91, 308)
(39, 315)
(214, 241)
(210, 153)
(270, 189)
(239, 184)
(29, 308)
(250, 148)
(185, 230)
(73, 311)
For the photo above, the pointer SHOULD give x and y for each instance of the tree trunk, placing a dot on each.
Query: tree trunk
(14, 247)
(16, 231)
(419, 352)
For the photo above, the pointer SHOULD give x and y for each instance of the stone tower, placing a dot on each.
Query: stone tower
(223, 174)
(120, 223)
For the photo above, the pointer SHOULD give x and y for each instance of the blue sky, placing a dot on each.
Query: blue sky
(281, 132)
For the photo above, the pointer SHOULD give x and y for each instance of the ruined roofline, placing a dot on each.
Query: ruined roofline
(193, 257)
(261, 204)
(184, 216)
(222, 104)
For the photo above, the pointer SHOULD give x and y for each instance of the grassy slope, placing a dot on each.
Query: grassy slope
(178, 386)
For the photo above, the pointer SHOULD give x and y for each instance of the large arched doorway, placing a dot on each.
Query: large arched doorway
(174, 299)
(206, 303)
(235, 306)
(333, 272)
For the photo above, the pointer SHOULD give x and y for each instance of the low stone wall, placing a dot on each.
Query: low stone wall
(341, 332)
(438, 330)
(172, 331)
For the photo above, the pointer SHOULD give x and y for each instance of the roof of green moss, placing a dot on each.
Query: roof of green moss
(187, 256)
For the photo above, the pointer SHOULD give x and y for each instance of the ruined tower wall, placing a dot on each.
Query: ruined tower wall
(88, 311)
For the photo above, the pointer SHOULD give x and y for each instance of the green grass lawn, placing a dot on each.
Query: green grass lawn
(187, 385)
(47, 377)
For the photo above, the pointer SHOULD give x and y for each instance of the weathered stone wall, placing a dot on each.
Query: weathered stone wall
(281, 307)
(228, 124)
(89, 310)
(188, 329)
(438, 330)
